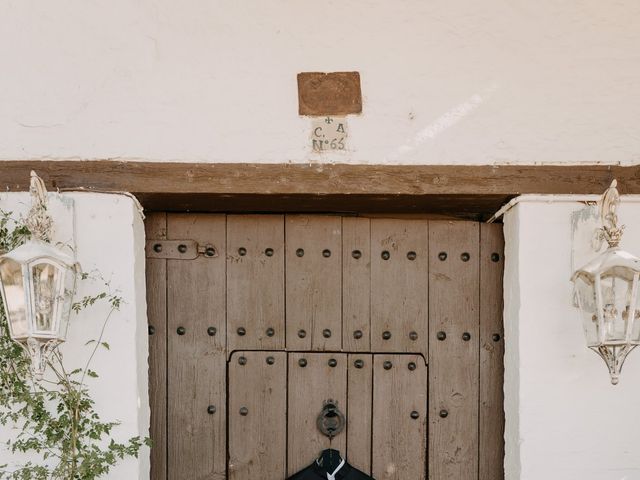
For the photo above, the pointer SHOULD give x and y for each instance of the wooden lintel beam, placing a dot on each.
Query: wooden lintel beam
(477, 188)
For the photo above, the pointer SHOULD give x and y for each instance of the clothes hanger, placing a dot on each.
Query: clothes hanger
(330, 460)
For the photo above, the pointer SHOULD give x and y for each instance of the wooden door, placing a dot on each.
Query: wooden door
(275, 399)
(256, 320)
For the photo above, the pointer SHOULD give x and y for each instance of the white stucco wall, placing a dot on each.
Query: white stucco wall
(215, 81)
(108, 235)
(444, 82)
(564, 418)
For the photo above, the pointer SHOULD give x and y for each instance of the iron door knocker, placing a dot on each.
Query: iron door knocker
(331, 420)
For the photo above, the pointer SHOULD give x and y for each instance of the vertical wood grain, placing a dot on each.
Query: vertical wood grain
(308, 387)
(255, 282)
(356, 284)
(399, 285)
(491, 445)
(400, 441)
(359, 410)
(343, 294)
(156, 276)
(313, 282)
(257, 435)
(197, 361)
(453, 362)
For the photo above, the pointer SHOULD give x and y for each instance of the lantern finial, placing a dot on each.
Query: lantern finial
(38, 220)
(609, 202)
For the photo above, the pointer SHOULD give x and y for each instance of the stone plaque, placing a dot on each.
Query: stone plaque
(329, 94)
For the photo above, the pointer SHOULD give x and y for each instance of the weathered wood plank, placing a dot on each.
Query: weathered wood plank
(453, 361)
(399, 285)
(491, 353)
(257, 413)
(312, 381)
(255, 282)
(292, 179)
(400, 417)
(356, 284)
(314, 282)
(156, 276)
(197, 360)
(466, 191)
(359, 410)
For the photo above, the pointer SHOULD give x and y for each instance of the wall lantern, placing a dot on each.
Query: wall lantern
(606, 291)
(37, 282)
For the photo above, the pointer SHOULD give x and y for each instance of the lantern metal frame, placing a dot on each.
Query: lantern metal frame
(37, 284)
(597, 280)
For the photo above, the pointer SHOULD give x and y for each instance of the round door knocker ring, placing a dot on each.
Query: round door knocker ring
(331, 421)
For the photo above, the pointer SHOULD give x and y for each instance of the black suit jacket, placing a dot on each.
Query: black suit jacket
(315, 472)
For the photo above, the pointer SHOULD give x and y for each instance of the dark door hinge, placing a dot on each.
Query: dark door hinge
(179, 249)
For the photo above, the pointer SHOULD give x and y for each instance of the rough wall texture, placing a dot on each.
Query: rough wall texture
(564, 418)
(215, 81)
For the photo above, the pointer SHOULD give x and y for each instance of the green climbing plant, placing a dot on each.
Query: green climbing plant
(56, 423)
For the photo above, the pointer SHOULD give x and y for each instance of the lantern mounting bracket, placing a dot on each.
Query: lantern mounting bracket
(38, 221)
(610, 230)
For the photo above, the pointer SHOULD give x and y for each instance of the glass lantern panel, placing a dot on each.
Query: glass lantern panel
(14, 296)
(66, 302)
(586, 298)
(616, 295)
(635, 330)
(634, 296)
(46, 292)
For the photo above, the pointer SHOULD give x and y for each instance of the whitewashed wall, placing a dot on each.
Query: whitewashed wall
(461, 82)
(108, 235)
(564, 418)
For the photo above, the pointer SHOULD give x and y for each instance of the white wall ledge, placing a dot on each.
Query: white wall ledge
(549, 198)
